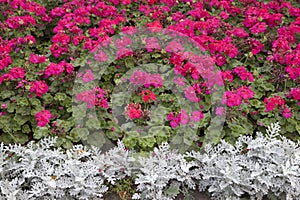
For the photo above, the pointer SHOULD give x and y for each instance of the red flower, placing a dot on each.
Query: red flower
(88, 76)
(36, 59)
(273, 102)
(147, 95)
(155, 27)
(231, 99)
(134, 111)
(17, 72)
(40, 88)
(53, 69)
(43, 117)
(197, 115)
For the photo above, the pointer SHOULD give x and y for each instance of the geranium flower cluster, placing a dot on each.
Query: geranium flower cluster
(43, 117)
(295, 94)
(147, 95)
(184, 65)
(37, 59)
(134, 111)
(14, 73)
(277, 102)
(5, 59)
(56, 69)
(183, 118)
(243, 73)
(235, 98)
(95, 97)
(146, 79)
(15, 22)
(39, 87)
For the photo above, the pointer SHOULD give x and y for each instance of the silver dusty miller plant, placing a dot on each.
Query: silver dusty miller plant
(254, 167)
(265, 165)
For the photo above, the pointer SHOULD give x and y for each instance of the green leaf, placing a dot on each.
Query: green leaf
(127, 126)
(6, 94)
(40, 132)
(130, 141)
(298, 128)
(177, 139)
(35, 102)
(22, 101)
(234, 63)
(151, 68)
(67, 144)
(256, 103)
(159, 115)
(268, 86)
(236, 130)
(65, 124)
(26, 129)
(24, 110)
(21, 119)
(147, 141)
(20, 138)
(96, 139)
(47, 98)
(93, 123)
(60, 96)
(79, 111)
(129, 62)
(6, 138)
(10, 107)
(156, 55)
(205, 121)
(161, 131)
(78, 134)
(266, 121)
(190, 135)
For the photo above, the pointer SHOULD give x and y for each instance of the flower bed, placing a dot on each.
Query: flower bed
(144, 72)
(233, 62)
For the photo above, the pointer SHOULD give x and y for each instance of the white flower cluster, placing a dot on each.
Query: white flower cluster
(266, 165)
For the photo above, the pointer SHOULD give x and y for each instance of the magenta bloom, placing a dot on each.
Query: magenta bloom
(295, 93)
(174, 46)
(174, 124)
(43, 117)
(190, 94)
(179, 81)
(152, 43)
(197, 116)
(231, 99)
(36, 59)
(287, 113)
(88, 76)
(273, 102)
(170, 116)
(53, 69)
(39, 87)
(219, 111)
(184, 118)
(17, 72)
(87, 96)
(134, 111)
(245, 92)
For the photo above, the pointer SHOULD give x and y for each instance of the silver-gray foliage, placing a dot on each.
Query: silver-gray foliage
(266, 164)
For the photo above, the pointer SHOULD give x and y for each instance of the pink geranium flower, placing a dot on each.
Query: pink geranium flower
(43, 117)
(134, 111)
(39, 87)
(197, 116)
